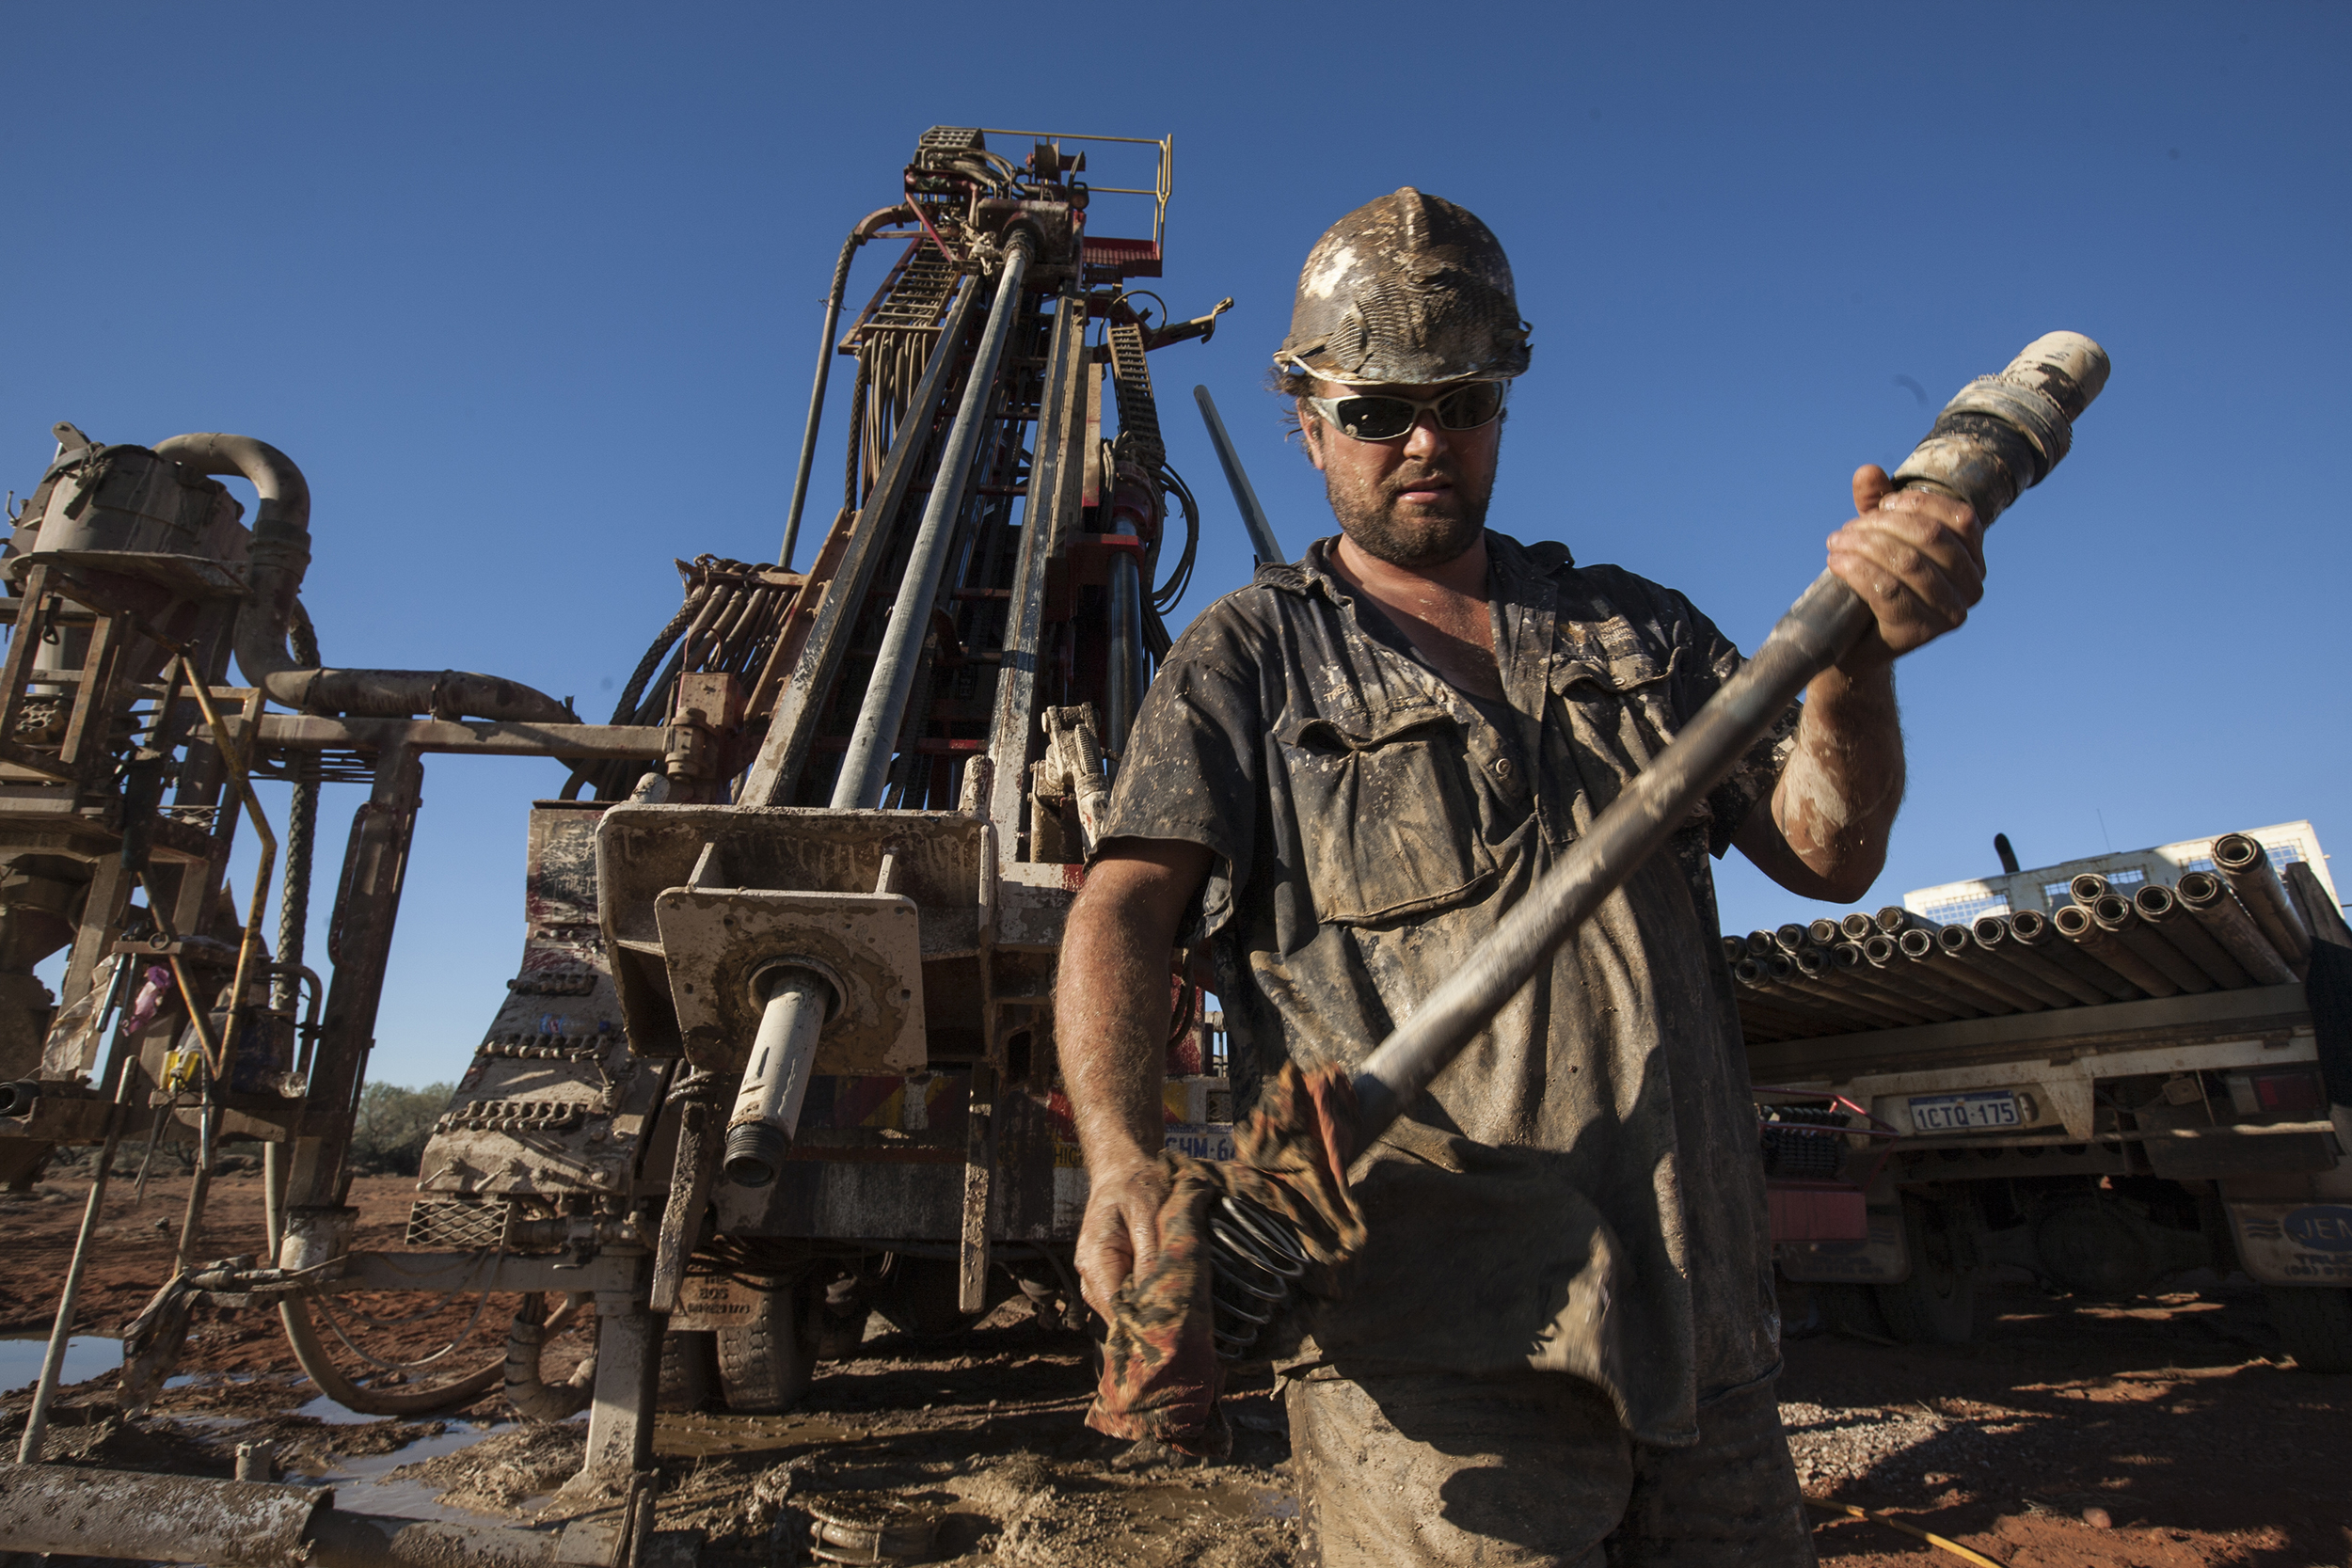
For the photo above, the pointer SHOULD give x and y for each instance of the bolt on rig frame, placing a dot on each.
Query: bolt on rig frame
(780, 1049)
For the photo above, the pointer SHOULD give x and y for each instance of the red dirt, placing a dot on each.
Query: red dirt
(2180, 1417)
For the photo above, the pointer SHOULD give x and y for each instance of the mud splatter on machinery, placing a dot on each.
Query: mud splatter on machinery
(779, 1048)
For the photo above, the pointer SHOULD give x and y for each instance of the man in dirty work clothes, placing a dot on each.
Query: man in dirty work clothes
(1558, 1345)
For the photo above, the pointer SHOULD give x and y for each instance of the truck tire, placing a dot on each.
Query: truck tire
(2315, 1321)
(767, 1361)
(1851, 1310)
(690, 1371)
(1937, 1304)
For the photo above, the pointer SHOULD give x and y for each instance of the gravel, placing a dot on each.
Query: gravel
(1908, 1445)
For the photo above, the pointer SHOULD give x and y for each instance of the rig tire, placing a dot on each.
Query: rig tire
(690, 1371)
(767, 1361)
(2315, 1321)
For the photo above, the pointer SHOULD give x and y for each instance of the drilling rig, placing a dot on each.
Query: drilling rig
(780, 1048)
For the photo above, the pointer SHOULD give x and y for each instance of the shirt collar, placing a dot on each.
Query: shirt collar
(1512, 564)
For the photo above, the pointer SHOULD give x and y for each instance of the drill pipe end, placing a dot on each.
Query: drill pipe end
(2065, 367)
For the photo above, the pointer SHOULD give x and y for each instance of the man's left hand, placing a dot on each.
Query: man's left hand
(1917, 558)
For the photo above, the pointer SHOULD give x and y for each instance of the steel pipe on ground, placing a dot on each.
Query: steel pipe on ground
(2074, 922)
(1858, 927)
(2246, 866)
(67, 1509)
(1825, 932)
(2208, 898)
(865, 769)
(2032, 930)
(1894, 920)
(2113, 914)
(2169, 918)
(2085, 888)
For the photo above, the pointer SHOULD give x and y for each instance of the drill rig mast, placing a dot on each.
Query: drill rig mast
(781, 1042)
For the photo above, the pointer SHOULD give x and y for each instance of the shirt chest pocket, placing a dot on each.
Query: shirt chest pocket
(1387, 824)
(1622, 706)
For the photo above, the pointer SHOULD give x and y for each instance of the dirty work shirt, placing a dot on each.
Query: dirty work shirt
(1579, 1192)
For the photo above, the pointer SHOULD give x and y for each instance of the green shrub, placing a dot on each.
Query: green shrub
(394, 1124)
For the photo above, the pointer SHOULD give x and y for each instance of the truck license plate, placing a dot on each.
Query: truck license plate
(1964, 1113)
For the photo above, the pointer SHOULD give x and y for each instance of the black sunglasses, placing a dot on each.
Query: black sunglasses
(1379, 417)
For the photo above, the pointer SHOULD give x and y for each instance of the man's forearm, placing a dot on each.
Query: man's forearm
(1836, 800)
(1111, 998)
(1110, 1029)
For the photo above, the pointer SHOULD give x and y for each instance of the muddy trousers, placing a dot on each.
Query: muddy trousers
(1532, 1470)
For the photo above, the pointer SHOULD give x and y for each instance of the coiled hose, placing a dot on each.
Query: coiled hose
(294, 1313)
(1254, 1257)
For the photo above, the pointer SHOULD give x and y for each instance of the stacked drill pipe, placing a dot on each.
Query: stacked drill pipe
(2223, 930)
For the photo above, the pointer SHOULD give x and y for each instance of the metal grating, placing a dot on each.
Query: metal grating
(1955, 912)
(459, 1224)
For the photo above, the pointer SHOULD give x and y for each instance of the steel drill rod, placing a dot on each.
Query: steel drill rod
(1960, 941)
(1957, 944)
(775, 1080)
(2246, 866)
(1896, 974)
(1994, 934)
(867, 768)
(1999, 438)
(2208, 898)
(2074, 924)
(2033, 932)
(1927, 975)
(1262, 543)
(2113, 914)
(2164, 914)
(1918, 947)
(1866, 977)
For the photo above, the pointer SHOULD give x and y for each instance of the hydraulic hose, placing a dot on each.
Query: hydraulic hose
(533, 1398)
(294, 1313)
(278, 558)
(858, 236)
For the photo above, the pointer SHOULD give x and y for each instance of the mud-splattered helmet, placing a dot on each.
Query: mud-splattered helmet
(1407, 290)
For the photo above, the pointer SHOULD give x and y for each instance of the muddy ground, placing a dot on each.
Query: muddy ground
(2172, 1432)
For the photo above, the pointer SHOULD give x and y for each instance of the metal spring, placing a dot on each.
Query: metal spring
(1254, 1256)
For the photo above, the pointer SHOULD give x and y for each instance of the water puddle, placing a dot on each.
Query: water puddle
(324, 1409)
(360, 1483)
(86, 1355)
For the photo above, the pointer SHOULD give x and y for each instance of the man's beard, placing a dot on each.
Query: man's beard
(1421, 538)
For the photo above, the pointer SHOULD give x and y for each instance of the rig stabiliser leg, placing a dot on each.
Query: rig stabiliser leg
(692, 1178)
(620, 1413)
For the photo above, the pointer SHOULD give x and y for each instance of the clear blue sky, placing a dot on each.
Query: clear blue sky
(531, 292)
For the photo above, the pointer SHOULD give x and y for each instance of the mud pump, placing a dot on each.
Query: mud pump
(778, 1050)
